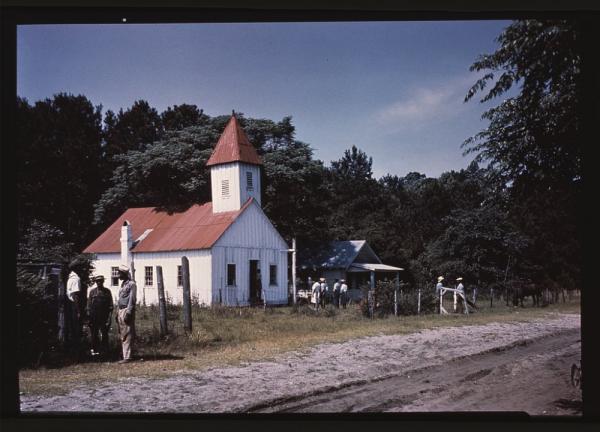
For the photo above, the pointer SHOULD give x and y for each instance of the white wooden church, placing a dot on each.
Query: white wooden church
(235, 253)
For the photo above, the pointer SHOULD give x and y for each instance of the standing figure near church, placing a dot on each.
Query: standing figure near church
(126, 315)
(99, 311)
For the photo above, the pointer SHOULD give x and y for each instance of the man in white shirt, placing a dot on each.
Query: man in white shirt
(75, 303)
(460, 288)
(343, 293)
(316, 294)
(126, 312)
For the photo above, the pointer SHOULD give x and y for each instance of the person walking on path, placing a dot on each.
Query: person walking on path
(99, 311)
(343, 293)
(126, 314)
(336, 293)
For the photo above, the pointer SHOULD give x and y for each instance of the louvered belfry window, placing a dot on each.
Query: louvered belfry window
(249, 185)
(225, 188)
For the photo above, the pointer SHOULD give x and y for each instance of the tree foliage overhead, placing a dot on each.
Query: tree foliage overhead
(58, 163)
(533, 134)
(532, 140)
(132, 129)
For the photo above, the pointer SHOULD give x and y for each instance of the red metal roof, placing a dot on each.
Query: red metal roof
(196, 228)
(234, 146)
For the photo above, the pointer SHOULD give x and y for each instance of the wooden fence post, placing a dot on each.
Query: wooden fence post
(395, 302)
(419, 302)
(61, 298)
(162, 306)
(491, 298)
(187, 302)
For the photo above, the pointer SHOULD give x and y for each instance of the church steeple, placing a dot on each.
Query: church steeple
(234, 169)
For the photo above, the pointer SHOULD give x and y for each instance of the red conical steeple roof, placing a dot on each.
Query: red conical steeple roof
(234, 146)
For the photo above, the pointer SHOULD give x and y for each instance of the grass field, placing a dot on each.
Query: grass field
(228, 336)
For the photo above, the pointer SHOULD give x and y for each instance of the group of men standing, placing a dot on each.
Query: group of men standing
(322, 295)
(97, 309)
(460, 288)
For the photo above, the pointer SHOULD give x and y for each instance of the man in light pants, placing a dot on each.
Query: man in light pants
(126, 313)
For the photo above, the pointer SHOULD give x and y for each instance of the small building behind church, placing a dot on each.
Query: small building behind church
(352, 260)
(236, 256)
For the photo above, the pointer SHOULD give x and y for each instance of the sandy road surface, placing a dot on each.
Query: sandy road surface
(498, 366)
(532, 376)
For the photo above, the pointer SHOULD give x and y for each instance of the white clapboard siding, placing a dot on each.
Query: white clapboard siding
(251, 237)
(200, 274)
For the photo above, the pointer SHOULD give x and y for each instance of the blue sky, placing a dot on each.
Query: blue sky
(393, 89)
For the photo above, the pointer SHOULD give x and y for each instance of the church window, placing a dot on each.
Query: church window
(230, 274)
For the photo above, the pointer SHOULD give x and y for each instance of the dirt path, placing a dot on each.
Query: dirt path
(498, 366)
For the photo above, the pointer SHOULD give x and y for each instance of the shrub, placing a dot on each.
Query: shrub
(36, 316)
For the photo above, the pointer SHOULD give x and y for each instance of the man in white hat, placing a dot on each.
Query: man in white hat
(460, 287)
(316, 294)
(76, 303)
(324, 291)
(439, 285)
(126, 313)
(343, 293)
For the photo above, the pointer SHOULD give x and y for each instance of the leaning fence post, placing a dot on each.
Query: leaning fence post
(187, 302)
(419, 302)
(162, 306)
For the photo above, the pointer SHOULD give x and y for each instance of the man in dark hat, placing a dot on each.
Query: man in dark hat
(126, 313)
(99, 309)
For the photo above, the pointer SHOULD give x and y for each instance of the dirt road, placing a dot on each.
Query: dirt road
(521, 366)
(530, 376)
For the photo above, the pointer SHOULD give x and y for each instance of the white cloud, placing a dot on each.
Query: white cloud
(423, 105)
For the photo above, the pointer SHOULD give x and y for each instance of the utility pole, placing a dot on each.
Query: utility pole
(293, 251)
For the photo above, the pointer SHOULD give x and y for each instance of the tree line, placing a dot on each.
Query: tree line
(512, 213)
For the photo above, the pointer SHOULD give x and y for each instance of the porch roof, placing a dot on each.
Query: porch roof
(369, 267)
